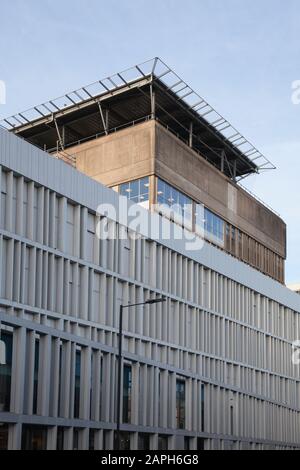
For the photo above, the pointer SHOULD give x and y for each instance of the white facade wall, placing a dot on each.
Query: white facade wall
(225, 329)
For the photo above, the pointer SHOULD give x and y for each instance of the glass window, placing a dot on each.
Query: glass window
(180, 404)
(162, 442)
(136, 191)
(92, 439)
(127, 387)
(187, 443)
(144, 441)
(213, 226)
(76, 439)
(34, 438)
(77, 384)
(200, 444)
(178, 202)
(60, 438)
(36, 375)
(125, 440)
(3, 436)
(5, 371)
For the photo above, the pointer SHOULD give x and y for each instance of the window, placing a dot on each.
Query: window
(127, 387)
(180, 404)
(3, 436)
(136, 191)
(60, 438)
(187, 443)
(200, 444)
(162, 442)
(213, 226)
(144, 441)
(92, 439)
(178, 202)
(34, 438)
(76, 439)
(77, 384)
(5, 371)
(125, 440)
(36, 375)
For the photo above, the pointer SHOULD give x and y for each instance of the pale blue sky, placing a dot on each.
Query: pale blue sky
(241, 55)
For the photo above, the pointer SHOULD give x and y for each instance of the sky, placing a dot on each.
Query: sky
(242, 56)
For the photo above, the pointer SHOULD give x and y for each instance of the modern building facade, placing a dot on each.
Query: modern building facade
(211, 368)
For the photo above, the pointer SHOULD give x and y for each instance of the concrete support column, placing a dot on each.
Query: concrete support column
(134, 441)
(65, 380)
(77, 231)
(1, 187)
(52, 222)
(30, 211)
(189, 405)
(62, 224)
(52, 438)
(109, 440)
(83, 294)
(193, 443)
(172, 443)
(9, 270)
(28, 389)
(18, 371)
(15, 437)
(83, 233)
(40, 214)
(9, 202)
(105, 396)
(85, 383)
(98, 440)
(44, 376)
(172, 400)
(154, 442)
(83, 439)
(68, 439)
(20, 206)
(164, 399)
(135, 393)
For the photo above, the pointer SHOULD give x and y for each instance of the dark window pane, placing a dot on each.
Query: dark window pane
(125, 441)
(200, 443)
(77, 384)
(5, 372)
(162, 443)
(127, 385)
(92, 439)
(3, 436)
(180, 404)
(60, 438)
(34, 438)
(144, 441)
(36, 375)
(186, 443)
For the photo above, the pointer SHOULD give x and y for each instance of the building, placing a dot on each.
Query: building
(214, 363)
(295, 288)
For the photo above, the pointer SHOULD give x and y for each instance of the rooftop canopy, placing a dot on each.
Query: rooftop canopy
(147, 91)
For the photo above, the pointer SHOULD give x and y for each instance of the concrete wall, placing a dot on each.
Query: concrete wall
(119, 157)
(149, 148)
(182, 167)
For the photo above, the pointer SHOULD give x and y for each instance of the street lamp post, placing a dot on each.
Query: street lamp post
(119, 391)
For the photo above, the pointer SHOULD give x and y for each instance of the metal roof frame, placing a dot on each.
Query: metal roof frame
(152, 71)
